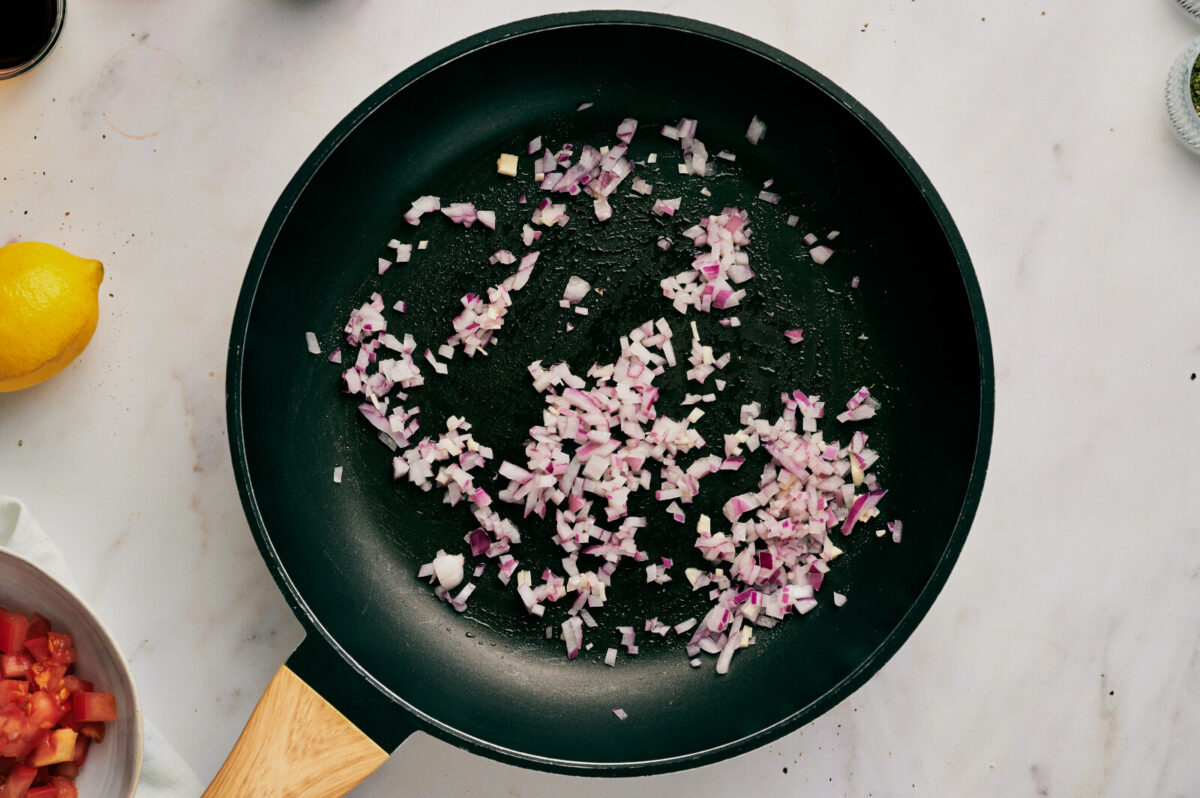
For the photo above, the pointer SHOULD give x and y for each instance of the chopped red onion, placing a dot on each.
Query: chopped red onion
(448, 569)
(572, 632)
(666, 207)
(584, 106)
(463, 213)
(421, 206)
(794, 336)
(311, 339)
(577, 288)
(820, 254)
(620, 713)
(769, 196)
(755, 132)
(337, 474)
(603, 436)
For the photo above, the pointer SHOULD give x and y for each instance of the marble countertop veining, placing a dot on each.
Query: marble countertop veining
(1063, 656)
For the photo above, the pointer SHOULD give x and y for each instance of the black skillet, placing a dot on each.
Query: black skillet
(383, 656)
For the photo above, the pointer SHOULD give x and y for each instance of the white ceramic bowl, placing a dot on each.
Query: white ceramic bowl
(113, 766)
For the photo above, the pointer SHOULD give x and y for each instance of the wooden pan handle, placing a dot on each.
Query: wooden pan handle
(296, 744)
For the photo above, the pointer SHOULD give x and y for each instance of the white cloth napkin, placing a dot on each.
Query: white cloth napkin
(164, 773)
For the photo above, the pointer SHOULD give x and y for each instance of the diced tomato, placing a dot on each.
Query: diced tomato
(12, 723)
(49, 717)
(38, 647)
(22, 743)
(39, 625)
(57, 746)
(94, 731)
(44, 711)
(48, 675)
(67, 770)
(14, 692)
(76, 685)
(61, 647)
(65, 787)
(13, 629)
(15, 666)
(94, 707)
(18, 781)
(81, 751)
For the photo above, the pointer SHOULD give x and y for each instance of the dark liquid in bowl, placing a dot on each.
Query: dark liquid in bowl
(25, 27)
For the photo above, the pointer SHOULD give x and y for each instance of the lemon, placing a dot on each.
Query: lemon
(48, 311)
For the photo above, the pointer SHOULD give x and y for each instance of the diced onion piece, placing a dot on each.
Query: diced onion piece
(448, 569)
(820, 254)
(756, 130)
(577, 288)
(313, 346)
(506, 165)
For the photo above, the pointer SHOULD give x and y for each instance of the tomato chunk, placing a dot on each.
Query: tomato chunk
(38, 647)
(81, 750)
(13, 692)
(65, 787)
(94, 707)
(39, 625)
(44, 711)
(61, 647)
(57, 746)
(93, 731)
(13, 629)
(76, 685)
(15, 666)
(18, 781)
(48, 676)
(45, 791)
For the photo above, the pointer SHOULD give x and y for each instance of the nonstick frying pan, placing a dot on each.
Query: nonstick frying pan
(382, 656)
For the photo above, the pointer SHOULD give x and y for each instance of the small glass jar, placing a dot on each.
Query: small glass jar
(1181, 108)
(31, 30)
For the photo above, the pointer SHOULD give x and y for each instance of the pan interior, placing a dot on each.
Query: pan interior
(352, 550)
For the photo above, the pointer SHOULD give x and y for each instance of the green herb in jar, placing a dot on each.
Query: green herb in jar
(1196, 85)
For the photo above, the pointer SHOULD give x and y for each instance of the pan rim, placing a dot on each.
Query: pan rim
(299, 183)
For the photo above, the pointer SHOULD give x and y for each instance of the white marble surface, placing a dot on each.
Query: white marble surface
(1062, 657)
